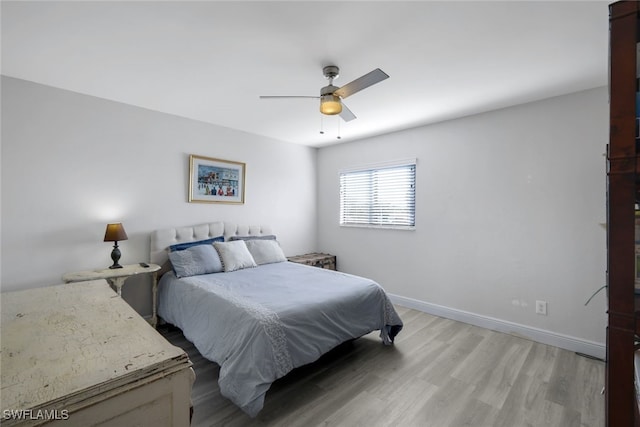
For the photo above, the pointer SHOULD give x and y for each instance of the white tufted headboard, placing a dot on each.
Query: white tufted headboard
(162, 239)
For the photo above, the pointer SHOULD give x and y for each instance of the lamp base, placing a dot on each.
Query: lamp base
(115, 256)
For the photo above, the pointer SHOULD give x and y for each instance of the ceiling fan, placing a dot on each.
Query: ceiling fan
(331, 96)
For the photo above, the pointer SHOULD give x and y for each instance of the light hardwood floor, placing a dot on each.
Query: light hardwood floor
(439, 373)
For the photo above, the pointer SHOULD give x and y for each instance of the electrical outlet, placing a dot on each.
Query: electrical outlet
(541, 307)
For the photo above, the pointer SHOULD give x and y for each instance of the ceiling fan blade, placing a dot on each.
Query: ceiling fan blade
(286, 96)
(346, 114)
(360, 83)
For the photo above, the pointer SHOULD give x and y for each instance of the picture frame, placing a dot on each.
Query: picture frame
(214, 180)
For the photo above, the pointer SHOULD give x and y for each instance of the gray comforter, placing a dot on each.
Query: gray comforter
(260, 323)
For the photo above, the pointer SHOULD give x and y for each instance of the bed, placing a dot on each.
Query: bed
(260, 318)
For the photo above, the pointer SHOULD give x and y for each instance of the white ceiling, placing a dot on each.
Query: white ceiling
(210, 60)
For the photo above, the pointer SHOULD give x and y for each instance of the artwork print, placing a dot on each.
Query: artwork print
(215, 181)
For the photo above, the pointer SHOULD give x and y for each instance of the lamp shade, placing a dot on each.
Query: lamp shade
(330, 104)
(115, 233)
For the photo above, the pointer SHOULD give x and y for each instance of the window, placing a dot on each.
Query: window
(383, 196)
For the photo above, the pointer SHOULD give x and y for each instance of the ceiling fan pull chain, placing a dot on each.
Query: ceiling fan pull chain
(321, 126)
(338, 137)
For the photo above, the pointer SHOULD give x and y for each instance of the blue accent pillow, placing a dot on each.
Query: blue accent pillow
(196, 260)
(186, 245)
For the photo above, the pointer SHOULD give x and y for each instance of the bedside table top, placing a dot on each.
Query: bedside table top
(109, 273)
(314, 256)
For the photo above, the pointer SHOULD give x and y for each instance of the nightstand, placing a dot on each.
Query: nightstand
(116, 278)
(316, 260)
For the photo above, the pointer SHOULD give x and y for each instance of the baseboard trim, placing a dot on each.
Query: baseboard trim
(543, 336)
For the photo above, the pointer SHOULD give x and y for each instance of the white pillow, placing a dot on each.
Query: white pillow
(234, 255)
(265, 251)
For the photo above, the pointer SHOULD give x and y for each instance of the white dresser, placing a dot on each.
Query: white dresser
(77, 354)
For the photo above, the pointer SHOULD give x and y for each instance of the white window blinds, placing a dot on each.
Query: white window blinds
(379, 196)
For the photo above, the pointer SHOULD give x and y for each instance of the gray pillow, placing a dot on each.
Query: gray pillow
(196, 260)
(263, 237)
(265, 251)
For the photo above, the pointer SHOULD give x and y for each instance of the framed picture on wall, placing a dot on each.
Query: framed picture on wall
(215, 180)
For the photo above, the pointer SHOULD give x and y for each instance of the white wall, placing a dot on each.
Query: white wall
(72, 163)
(510, 206)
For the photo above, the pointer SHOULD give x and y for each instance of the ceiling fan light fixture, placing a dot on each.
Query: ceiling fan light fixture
(330, 104)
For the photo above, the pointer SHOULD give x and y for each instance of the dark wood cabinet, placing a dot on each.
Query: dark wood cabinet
(623, 185)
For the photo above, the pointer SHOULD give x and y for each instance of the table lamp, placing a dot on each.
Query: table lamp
(115, 233)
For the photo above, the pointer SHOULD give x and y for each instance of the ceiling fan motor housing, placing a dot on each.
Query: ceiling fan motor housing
(328, 90)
